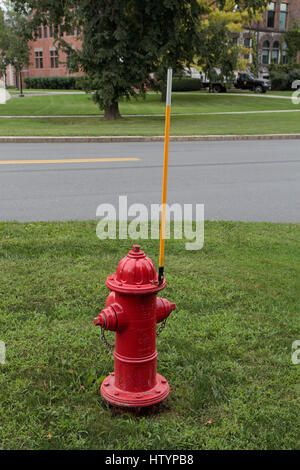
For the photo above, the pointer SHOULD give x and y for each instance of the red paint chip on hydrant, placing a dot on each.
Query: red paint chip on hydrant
(133, 310)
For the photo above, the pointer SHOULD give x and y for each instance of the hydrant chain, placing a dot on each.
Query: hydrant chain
(107, 344)
(162, 326)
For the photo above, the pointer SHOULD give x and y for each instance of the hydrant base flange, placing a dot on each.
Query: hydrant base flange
(118, 397)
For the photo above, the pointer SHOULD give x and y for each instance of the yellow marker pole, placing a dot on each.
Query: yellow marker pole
(165, 179)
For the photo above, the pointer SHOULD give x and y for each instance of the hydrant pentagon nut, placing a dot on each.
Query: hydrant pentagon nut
(133, 310)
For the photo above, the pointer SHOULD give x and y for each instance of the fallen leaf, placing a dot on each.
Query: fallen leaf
(208, 422)
(49, 436)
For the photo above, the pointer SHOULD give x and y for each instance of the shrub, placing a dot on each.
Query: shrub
(178, 84)
(282, 76)
(280, 80)
(82, 83)
(294, 75)
(51, 83)
(187, 84)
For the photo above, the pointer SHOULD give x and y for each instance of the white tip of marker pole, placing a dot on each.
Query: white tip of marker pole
(169, 86)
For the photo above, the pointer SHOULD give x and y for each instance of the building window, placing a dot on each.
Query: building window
(68, 55)
(275, 53)
(39, 33)
(283, 16)
(45, 32)
(78, 31)
(247, 44)
(39, 60)
(61, 29)
(53, 31)
(54, 59)
(284, 54)
(271, 15)
(266, 53)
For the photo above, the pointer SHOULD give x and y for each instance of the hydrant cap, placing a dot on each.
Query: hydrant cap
(135, 274)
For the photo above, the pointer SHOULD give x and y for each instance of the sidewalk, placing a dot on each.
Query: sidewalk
(72, 116)
(256, 95)
(48, 93)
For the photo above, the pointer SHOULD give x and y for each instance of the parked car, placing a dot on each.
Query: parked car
(242, 81)
(247, 81)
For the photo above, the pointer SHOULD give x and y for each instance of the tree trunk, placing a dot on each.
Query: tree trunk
(163, 95)
(112, 112)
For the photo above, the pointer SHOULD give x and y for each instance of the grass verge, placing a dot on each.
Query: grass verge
(226, 350)
(147, 126)
(182, 103)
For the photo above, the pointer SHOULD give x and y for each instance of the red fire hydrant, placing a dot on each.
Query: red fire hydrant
(132, 311)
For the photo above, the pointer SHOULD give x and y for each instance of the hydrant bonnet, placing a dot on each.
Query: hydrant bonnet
(136, 273)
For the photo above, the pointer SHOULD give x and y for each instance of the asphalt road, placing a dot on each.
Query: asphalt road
(248, 181)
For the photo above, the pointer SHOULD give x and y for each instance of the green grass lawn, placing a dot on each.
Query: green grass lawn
(182, 103)
(151, 125)
(270, 123)
(226, 350)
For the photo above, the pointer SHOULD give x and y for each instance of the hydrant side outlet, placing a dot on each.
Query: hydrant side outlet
(132, 311)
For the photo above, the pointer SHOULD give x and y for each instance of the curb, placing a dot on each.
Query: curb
(116, 139)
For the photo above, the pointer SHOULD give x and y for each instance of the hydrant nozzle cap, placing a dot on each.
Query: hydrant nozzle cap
(99, 321)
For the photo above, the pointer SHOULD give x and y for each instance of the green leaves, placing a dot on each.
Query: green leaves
(292, 39)
(15, 32)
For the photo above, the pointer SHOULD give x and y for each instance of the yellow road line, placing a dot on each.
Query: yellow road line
(69, 160)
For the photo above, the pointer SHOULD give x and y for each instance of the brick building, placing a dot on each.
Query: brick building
(269, 34)
(45, 59)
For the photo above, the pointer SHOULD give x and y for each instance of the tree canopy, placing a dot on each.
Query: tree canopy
(15, 33)
(219, 55)
(124, 41)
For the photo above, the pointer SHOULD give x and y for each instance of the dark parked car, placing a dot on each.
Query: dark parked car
(247, 81)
